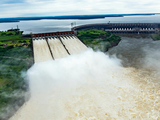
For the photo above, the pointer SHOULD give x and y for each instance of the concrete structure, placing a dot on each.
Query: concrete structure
(49, 46)
(123, 27)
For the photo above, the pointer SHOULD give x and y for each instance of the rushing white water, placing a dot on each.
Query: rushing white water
(78, 43)
(90, 86)
(69, 45)
(72, 45)
(57, 48)
(41, 51)
(82, 46)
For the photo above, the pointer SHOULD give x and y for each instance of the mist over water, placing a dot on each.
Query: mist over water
(122, 85)
(137, 52)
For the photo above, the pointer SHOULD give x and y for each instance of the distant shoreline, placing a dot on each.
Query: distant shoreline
(71, 17)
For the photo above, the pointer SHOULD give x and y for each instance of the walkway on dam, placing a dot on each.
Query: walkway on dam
(55, 47)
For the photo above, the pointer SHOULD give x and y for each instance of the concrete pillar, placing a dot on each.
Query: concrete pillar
(75, 32)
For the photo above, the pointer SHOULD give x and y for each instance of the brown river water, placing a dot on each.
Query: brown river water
(123, 84)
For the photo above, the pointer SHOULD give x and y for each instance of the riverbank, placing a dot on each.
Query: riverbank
(15, 60)
(155, 37)
(14, 37)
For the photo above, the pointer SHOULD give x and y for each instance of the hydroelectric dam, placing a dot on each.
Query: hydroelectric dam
(92, 85)
(144, 28)
(49, 46)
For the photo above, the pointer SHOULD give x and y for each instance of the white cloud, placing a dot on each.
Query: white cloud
(65, 7)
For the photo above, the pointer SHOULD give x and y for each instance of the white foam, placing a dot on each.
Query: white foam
(89, 86)
(41, 51)
(57, 48)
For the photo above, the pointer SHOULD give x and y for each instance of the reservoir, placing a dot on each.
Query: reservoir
(41, 26)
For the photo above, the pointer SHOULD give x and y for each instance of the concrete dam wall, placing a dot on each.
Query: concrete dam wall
(123, 27)
(49, 46)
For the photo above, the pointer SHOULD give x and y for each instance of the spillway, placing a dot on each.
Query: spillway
(73, 45)
(41, 51)
(81, 45)
(48, 46)
(69, 44)
(57, 48)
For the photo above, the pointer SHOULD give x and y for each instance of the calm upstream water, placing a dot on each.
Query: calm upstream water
(65, 25)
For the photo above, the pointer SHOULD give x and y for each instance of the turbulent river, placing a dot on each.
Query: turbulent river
(123, 84)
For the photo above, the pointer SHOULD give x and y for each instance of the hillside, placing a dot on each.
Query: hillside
(15, 59)
(98, 39)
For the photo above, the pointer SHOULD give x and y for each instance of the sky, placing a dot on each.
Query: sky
(26, 8)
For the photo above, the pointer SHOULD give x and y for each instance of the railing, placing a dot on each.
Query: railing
(54, 34)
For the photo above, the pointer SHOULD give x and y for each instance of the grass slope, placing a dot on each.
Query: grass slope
(156, 36)
(98, 39)
(15, 58)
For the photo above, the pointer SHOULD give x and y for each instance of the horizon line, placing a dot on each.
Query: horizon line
(66, 17)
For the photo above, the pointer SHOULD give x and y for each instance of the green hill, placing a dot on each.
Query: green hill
(98, 39)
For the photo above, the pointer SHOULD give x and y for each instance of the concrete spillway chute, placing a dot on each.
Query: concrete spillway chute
(49, 46)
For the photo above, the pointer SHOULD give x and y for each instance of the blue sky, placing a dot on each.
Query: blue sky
(11, 1)
(18, 8)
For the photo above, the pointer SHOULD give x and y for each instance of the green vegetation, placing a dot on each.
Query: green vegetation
(15, 58)
(156, 36)
(98, 39)
(13, 34)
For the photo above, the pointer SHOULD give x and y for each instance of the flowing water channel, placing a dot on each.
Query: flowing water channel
(123, 84)
(56, 48)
